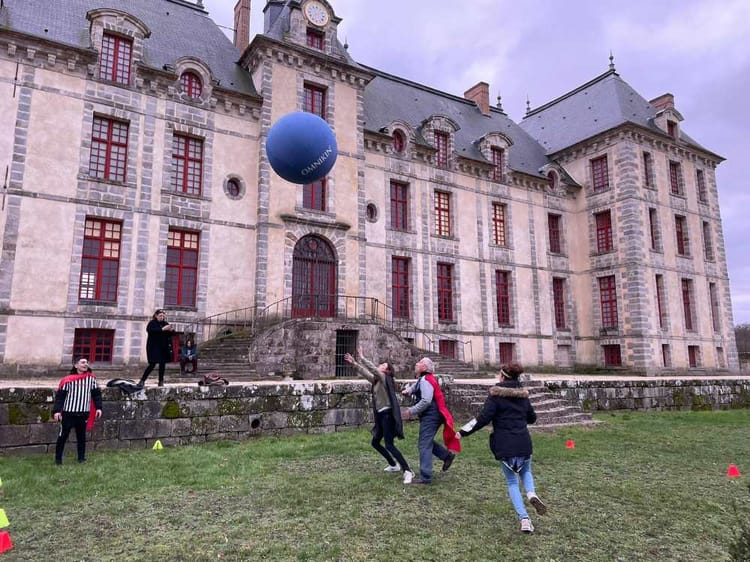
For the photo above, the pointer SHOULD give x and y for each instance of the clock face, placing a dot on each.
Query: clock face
(316, 13)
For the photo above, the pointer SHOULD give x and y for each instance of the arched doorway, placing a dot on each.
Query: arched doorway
(313, 278)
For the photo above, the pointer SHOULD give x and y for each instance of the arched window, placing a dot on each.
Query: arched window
(313, 278)
(191, 84)
(399, 141)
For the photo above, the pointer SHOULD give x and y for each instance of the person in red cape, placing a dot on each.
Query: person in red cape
(78, 402)
(429, 406)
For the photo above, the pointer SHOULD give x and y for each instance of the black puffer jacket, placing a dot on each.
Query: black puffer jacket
(509, 409)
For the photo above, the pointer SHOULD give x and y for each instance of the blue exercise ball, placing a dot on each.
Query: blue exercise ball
(301, 147)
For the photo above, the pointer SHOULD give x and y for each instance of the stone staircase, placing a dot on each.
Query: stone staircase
(227, 356)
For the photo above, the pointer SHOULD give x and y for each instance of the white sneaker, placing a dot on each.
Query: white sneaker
(395, 468)
(526, 526)
(408, 476)
(538, 504)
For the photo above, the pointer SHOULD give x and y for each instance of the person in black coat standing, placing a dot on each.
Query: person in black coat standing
(158, 345)
(509, 409)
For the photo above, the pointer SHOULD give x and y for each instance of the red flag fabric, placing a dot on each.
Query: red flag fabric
(92, 407)
(449, 434)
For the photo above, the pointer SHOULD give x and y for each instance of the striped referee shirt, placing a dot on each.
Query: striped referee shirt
(75, 397)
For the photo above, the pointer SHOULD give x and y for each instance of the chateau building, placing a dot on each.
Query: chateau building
(133, 152)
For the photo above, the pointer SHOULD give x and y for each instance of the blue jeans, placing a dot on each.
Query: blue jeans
(511, 477)
(429, 423)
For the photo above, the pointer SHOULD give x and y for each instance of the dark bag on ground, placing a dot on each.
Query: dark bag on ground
(127, 386)
(212, 379)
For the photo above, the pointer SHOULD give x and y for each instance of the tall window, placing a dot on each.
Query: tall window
(558, 299)
(700, 184)
(399, 141)
(315, 38)
(187, 164)
(182, 268)
(675, 178)
(694, 356)
(498, 224)
(191, 84)
(648, 169)
(109, 149)
(114, 60)
(608, 301)
(498, 164)
(315, 100)
(612, 356)
(603, 231)
(399, 206)
(688, 304)
(314, 195)
(720, 358)
(94, 344)
(442, 213)
(441, 143)
(681, 232)
(661, 304)
(507, 353)
(713, 295)
(445, 292)
(554, 227)
(502, 279)
(447, 348)
(600, 173)
(100, 262)
(672, 129)
(708, 245)
(666, 355)
(653, 225)
(400, 287)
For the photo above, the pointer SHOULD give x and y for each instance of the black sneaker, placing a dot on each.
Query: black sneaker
(448, 461)
(421, 481)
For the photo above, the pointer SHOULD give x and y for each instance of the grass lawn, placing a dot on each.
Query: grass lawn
(637, 487)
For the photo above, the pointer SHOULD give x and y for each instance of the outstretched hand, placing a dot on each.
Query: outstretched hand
(348, 358)
(359, 352)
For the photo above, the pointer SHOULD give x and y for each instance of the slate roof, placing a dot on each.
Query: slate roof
(389, 98)
(177, 30)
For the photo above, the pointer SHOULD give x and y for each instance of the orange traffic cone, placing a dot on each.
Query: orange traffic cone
(5, 542)
(570, 444)
(733, 471)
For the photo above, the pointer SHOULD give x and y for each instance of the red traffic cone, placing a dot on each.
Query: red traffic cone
(5, 542)
(733, 471)
(570, 444)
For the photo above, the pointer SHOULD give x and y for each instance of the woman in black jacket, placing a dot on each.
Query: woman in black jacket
(158, 345)
(509, 409)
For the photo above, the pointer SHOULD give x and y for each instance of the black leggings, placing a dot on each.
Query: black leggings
(147, 372)
(385, 427)
(70, 421)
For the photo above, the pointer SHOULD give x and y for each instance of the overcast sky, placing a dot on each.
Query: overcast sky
(698, 50)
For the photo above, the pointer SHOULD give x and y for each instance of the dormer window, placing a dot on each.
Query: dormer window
(315, 38)
(498, 164)
(191, 84)
(441, 144)
(115, 59)
(553, 179)
(399, 141)
(672, 129)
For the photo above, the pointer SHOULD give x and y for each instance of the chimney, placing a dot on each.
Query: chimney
(664, 101)
(480, 95)
(242, 24)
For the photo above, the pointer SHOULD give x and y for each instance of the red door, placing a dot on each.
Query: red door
(313, 278)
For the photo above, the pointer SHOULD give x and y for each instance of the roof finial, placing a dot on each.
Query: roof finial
(528, 105)
(346, 43)
(611, 61)
(500, 102)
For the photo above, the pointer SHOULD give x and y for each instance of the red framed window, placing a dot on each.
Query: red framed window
(100, 260)
(600, 173)
(666, 355)
(708, 246)
(187, 164)
(661, 305)
(109, 149)
(182, 268)
(498, 164)
(315, 38)
(648, 169)
(506, 353)
(558, 300)
(694, 356)
(399, 141)
(315, 100)
(683, 242)
(399, 206)
(672, 129)
(612, 356)
(442, 213)
(445, 292)
(447, 348)
(400, 287)
(502, 281)
(314, 195)
(688, 305)
(191, 84)
(95, 344)
(675, 178)
(498, 224)
(608, 301)
(441, 143)
(554, 228)
(115, 58)
(700, 185)
(653, 227)
(604, 232)
(713, 295)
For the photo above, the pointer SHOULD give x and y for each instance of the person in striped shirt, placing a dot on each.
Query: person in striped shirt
(78, 402)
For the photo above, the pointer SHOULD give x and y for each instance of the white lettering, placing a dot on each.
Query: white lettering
(318, 163)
